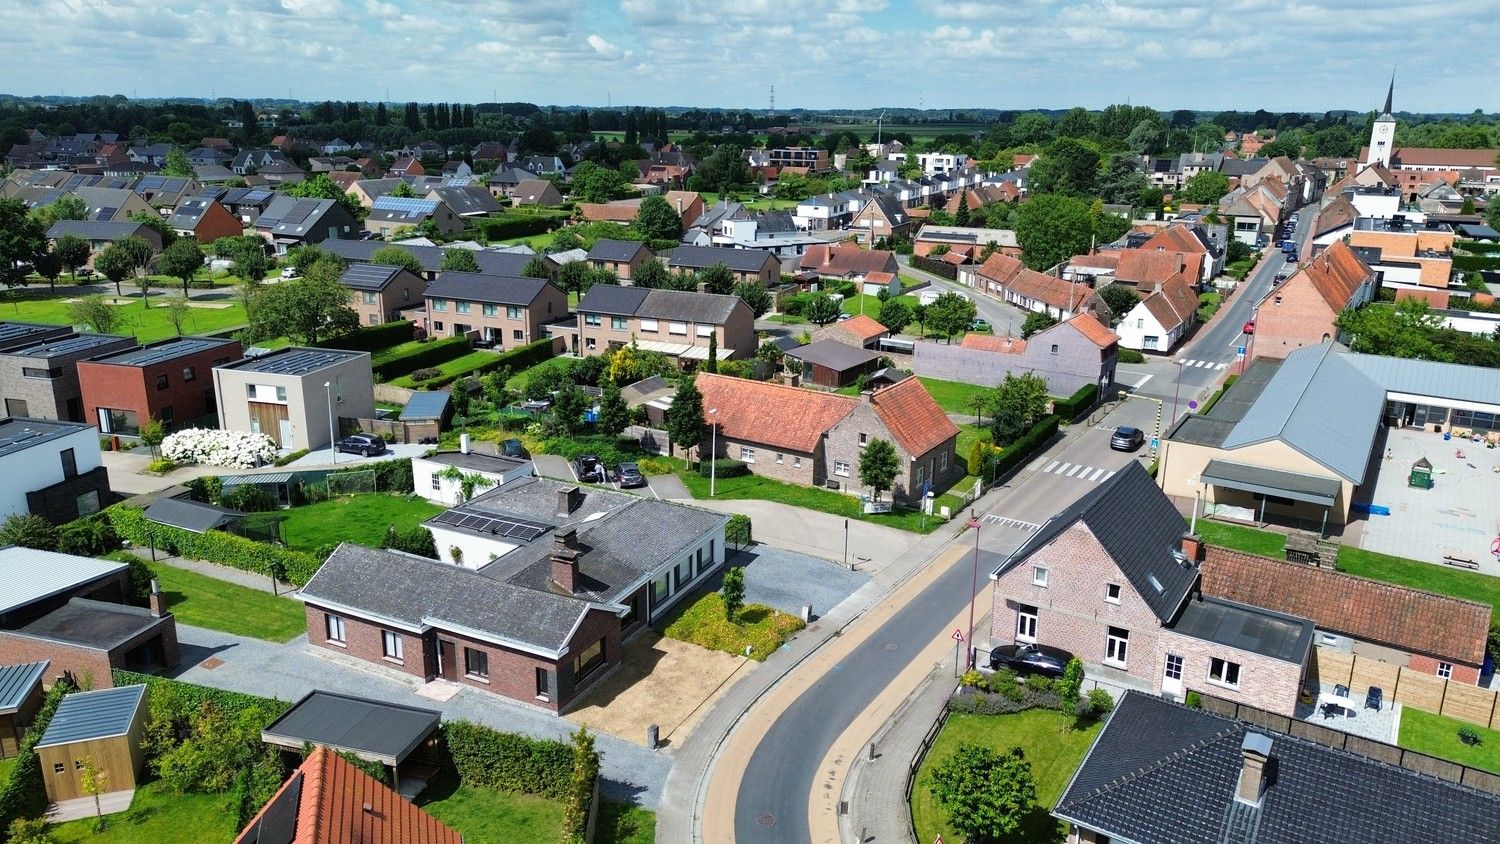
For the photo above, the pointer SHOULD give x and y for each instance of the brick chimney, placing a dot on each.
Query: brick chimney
(1256, 770)
(565, 560)
(1192, 547)
(568, 500)
(158, 601)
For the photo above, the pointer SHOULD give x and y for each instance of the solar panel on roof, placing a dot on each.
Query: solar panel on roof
(408, 204)
(298, 363)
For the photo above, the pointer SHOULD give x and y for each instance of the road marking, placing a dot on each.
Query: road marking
(1010, 523)
(1203, 364)
(1097, 473)
(1073, 471)
(1050, 466)
(1079, 471)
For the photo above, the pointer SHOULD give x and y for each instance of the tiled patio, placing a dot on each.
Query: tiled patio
(1356, 719)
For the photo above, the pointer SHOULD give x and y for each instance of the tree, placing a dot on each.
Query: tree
(711, 364)
(155, 222)
(306, 308)
(658, 220)
(732, 590)
(181, 260)
(138, 251)
(977, 401)
(821, 310)
(93, 781)
(951, 314)
(1119, 298)
(177, 312)
(395, 256)
(895, 315)
(116, 264)
(29, 530)
(1051, 228)
(1205, 188)
(249, 261)
(94, 312)
(987, 794)
(592, 183)
(1036, 321)
(537, 267)
(152, 433)
(48, 266)
(572, 276)
(403, 191)
(30, 831)
(177, 164)
(651, 274)
(319, 186)
(1492, 210)
(22, 238)
(1019, 402)
(685, 423)
(1066, 167)
(459, 260)
(1121, 181)
(73, 251)
(614, 415)
(717, 278)
(300, 258)
(1405, 330)
(568, 407)
(755, 295)
(878, 466)
(66, 207)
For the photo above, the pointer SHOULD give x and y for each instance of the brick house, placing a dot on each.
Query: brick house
(1070, 355)
(1303, 310)
(746, 264)
(204, 220)
(41, 381)
(1113, 580)
(620, 257)
(871, 267)
(381, 292)
(859, 330)
(504, 311)
(814, 438)
(168, 381)
(101, 234)
(677, 323)
(290, 221)
(1009, 280)
(430, 257)
(1164, 316)
(882, 217)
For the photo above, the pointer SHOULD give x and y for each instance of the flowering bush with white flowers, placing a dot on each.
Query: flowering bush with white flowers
(213, 447)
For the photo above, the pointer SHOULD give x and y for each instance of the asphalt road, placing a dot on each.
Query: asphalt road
(772, 804)
(1004, 319)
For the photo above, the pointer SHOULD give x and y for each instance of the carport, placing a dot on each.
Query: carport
(403, 738)
(1273, 483)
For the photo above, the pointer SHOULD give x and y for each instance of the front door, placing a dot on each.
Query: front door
(1171, 678)
(266, 418)
(447, 660)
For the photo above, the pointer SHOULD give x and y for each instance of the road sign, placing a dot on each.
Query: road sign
(1239, 350)
(1155, 442)
(958, 635)
(1193, 405)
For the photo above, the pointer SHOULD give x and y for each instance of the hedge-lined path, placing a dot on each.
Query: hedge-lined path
(239, 577)
(630, 772)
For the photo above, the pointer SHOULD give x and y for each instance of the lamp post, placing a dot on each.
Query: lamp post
(1176, 392)
(333, 440)
(713, 453)
(973, 585)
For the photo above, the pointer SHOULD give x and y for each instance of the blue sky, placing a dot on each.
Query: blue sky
(1276, 54)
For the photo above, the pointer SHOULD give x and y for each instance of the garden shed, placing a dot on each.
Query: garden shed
(402, 738)
(20, 697)
(101, 727)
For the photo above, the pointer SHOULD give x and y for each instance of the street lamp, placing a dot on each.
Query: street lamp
(713, 453)
(1177, 390)
(333, 440)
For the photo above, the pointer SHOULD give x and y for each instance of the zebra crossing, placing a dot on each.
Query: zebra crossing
(1204, 364)
(1002, 521)
(1079, 471)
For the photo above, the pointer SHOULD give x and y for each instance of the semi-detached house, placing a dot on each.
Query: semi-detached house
(676, 323)
(745, 264)
(504, 311)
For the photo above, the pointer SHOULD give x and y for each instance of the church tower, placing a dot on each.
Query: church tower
(1383, 133)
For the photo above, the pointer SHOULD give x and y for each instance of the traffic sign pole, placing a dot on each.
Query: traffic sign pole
(958, 644)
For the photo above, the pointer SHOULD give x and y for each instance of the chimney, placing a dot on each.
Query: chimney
(568, 500)
(158, 601)
(1192, 547)
(463, 443)
(1256, 771)
(565, 560)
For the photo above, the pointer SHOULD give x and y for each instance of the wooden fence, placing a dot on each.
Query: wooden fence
(394, 430)
(1407, 687)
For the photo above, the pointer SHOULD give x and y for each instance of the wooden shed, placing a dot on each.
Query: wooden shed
(103, 726)
(20, 697)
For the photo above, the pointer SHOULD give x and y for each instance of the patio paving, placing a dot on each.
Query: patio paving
(1368, 723)
(1459, 516)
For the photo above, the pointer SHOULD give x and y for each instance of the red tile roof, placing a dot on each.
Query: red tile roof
(1093, 330)
(1336, 275)
(863, 327)
(1427, 157)
(914, 419)
(1146, 268)
(1176, 239)
(331, 808)
(1174, 304)
(991, 343)
(844, 260)
(1030, 284)
(771, 414)
(608, 211)
(1410, 619)
(1433, 298)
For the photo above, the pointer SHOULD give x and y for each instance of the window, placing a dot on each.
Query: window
(864, 440)
(1026, 624)
(119, 421)
(87, 503)
(661, 588)
(704, 330)
(943, 462)
(593, 319)
(77, 764)
(437, 326)
(161, 382)
(589, 660)
(677, 328)
(1278, 300)
(1151, 341)
(69, 463)
(514, 312)
(367, 297)
(374, 319)
(780, 458)
(390, 645)
(619, 323)
(34, 372)
(747, 454)
(841, 468)
(461, 307)
(476, 663)
(1174, 667)
(543, 683)
(1038, 576)
(650, 325)
(1112, 593)
(1445, 670)
(590, 344)
(1224, 672)
(17, 407)
(1140, 322)
(518, 334)
(1116, 646)
(189, 373)
(1054, 348)
(58, 767)
(439, 305)
(796, 463)
(333, 627)
(490, 310)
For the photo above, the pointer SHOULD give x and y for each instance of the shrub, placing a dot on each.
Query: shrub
(1100, 701)
(217, 447)
(249, 498)
(1194, 700)
(216, 546)
(425, 356)
(1039, 683)
(426, 373)
(392, 475)
(372, 338)
(24, 795)
(611, 450)
(90, 536)
(416, 540)
(487, 758)
(160, 466)
(1076, 405)
(738, 532)
(972, 679)
(292, 457)
(723, 468)
(1068, 686)
(29, 530)
(517, 359)
(1130, 356)
(581, 782)
(938, 268)
(1006, 685)
(507, 227)
(1023, 448)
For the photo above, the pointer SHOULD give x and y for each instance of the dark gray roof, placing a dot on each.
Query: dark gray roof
(617, 250)
(479, 461)
(165, 350)
(20, 433)
(91, 715)
(1160, 772)
(1259, 479)
(81, 345)
(370, 729)
(95, 230)
(426, 404)
(480, 287)
(687, 306)
(294, 360)
(646, 389)
(17, 334)
(1212, 427)
(294, 216)
(468, 199)
(17, 683)
(1138, 527)
(92, 624)
(834, 355)
(698, 257)
(417, 593)
(1246, 628)
(189, 211)
(369, 276)
(189, 515)
(612, 299)
(431, 257)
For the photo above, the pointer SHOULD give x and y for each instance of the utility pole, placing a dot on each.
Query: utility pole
(773, 102)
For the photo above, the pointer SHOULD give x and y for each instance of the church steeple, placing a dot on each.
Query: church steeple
(1383, 131)
(1389, 94)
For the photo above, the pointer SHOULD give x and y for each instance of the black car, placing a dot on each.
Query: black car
(589, 469)
(513, 448)
(629, 475)
(1127, 438)
(1030, 659)
(361, 444)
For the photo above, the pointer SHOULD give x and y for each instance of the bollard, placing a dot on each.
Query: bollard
(653, 737)
(807, 613)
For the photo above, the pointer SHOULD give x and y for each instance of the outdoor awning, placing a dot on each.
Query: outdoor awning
(681, 350)
(1314, 490)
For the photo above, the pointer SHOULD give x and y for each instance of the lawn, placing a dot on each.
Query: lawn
(1051, 742)
(204, 601)
(458, 366)
(157, 814)
(813, 498)
(622, 823)
(539, 243)
(702, 622)
(147, 324)
(871, 304)
(483, 814)
(518, 380)
(358, 518)
(1437, 735)
(952, 396)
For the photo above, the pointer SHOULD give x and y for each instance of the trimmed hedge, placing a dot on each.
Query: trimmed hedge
(939, 268)
(431, 354)
(1022, 449)
(609, 450)
(1469, 263)
(1077, 404)
(372, 338)
(24, 794)
(1478, 247)
(723, 468)
(486, 758)
(519, 358)
(190, 697)
(216, 546)
(505, 228)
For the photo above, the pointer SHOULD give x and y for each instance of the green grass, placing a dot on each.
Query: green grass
(483, 814)
(786, 319)
(812, 498)
(147, 324)
(204, 601)
(5, 766)
(1052, 743)
(1208, 305)
(621, 823)
(538, 242)
(952, 396)
(458, 366)
(871, 304)
(702, 623)
(1263, 542)
(359, 518)
(157, 814)
(1437, 735)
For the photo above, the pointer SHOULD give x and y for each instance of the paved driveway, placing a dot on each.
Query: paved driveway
(786, 580)
(325, 458)
(631, 773)
(870, 547)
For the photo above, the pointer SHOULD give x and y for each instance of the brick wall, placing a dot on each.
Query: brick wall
(812, 472)
(1423, 664)
(1295, 316)
(1265, 683)
(363, 640)
(78, 663)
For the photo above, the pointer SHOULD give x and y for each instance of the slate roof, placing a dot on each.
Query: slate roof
(687, 306)
(1160, 772)
(1383, 613)
(612, 299)
(431, 257)
(372, 729)
(294, 216)
(28, 575)
(481, 287)
(189, 515)
(101, 713)
(834, 355)
(1137, 526)
(95, 230)
(17, 683)
(699, 257)
(617, 251)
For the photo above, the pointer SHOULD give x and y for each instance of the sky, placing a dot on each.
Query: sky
(1005, 54)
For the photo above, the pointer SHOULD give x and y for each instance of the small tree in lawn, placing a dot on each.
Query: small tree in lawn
(93, 782)
(182, 260)
(614, 415)
(821, 310)
(977, 401)
(73, 251)
(685, 423)
(755, 296)
(986, 793)
(177, 312)
(49, 266)
(94, 312)
(115, 263)
(951, 314)
(733, 591)
(152, 433)
(1019, 402)
(878, 466)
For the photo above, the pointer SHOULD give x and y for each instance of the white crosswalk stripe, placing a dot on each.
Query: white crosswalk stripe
(1204, 364)
(1092, 474)
(1017, 524)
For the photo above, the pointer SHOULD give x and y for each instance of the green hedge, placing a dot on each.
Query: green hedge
(431, 354)
(1469, 263)
(1077, 404)
(24, 794)
(519, 358)
(372, 338)
(609, 450)
(505, 228)
(738, 531)
(392, 475)
(939, 268)
(191, 697)
(723, 468)
(1130, 356)
(1478, 247)
(1022, 449)
(216, 546)
(486, 758)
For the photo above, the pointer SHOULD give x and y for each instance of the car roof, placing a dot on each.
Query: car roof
(1126, 429)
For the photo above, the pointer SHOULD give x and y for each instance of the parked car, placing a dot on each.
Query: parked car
(1031, 659)
(1291, 257)
(979, 325)
(1249, 327)
(362, 444)
(589, 469)
(629, 476)
(513, 448)
(1127, 438)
